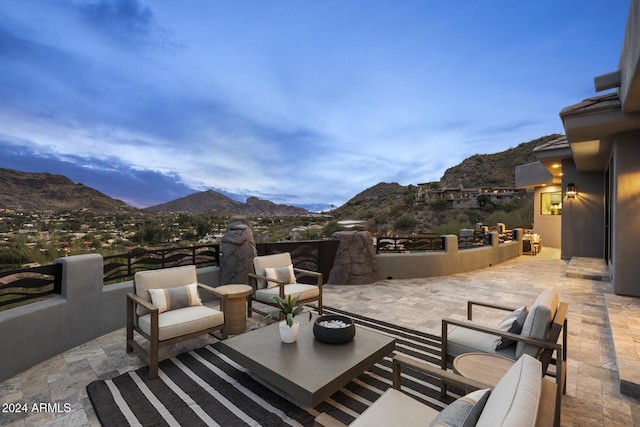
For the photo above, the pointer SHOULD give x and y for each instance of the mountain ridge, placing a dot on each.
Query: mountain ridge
(42, 191)
(33, 192)
(212, 201)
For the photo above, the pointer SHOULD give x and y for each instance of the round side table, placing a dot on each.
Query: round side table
(483, 367)
(233, 303)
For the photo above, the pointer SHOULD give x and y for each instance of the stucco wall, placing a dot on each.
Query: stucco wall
(450, 261)
(625, 220)
(583, 216)
(549, 227)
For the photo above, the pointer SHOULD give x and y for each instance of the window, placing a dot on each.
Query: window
(551, 203)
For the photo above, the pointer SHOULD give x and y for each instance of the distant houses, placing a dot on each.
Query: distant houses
(466, 198)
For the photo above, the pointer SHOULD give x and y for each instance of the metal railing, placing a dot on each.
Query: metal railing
(409, 243)
(477, 240)
(26, 285)
(123, 266)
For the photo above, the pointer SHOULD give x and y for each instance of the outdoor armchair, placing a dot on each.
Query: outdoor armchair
(274, 275)
(521, 397)
(165, 308)
(538, 337)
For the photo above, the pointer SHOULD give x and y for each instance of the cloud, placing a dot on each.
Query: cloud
(291, 103)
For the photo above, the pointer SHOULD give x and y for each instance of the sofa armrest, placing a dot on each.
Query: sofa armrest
(471, 303)
(504, 334)
(311, 273)
(207, 288)
(448, 377)
(135, 299)
(254, 284)
(307, 272)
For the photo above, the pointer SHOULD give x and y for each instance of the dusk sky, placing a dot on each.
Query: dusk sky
(299, 102)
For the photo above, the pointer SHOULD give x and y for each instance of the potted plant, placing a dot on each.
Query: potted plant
(288, 308)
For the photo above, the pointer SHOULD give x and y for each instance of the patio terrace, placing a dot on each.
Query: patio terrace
(593, 386)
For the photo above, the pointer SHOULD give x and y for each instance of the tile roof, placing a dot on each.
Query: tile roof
(608, 101)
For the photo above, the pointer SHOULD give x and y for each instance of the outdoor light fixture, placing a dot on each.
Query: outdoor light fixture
(571, 190)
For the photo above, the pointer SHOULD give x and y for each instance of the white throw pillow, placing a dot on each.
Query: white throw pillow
(281, 274)
(175, 297)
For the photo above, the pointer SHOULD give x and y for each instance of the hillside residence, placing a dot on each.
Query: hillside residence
(596, 173)
(464, 198)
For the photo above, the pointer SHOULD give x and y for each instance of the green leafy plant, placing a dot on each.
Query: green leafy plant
(287, 307)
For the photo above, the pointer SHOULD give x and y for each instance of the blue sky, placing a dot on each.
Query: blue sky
(300, 102)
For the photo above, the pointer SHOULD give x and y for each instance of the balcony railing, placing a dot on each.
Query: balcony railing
(123, 266)
(19, 287)
(477, 240)
(409, 243)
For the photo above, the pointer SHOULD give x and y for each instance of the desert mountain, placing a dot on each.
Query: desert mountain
(392, 199)
(212, 201)
(497, 170)
(42, 192)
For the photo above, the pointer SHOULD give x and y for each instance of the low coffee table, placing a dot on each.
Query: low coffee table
(307, 371)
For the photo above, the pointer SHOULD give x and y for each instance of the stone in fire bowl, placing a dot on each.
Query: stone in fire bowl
(334, 335)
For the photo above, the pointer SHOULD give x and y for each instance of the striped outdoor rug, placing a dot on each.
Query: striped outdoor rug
(203, 387)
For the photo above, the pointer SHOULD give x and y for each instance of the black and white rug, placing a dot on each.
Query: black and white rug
(203, 387)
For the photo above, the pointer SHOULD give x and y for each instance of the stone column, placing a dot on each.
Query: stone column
(355, 261)
(238, 251)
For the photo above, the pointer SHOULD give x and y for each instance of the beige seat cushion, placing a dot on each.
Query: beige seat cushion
(463, 340)
(182, 321)
(305, 291)
(395, 408)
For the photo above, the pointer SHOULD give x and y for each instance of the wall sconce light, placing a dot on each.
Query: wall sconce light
(571, 190)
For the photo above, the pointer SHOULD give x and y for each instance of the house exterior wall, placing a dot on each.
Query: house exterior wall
(625, 221)
(549, 227)
(582, 217)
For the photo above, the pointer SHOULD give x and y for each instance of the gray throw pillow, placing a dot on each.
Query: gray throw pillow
(513, 323)
(464, 412)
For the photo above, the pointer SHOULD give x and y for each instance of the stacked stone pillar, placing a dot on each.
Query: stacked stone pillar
(238, 251)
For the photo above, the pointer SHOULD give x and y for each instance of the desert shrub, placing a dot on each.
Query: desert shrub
(405, 222)
(396, 211)
(438, 204)
(331, 227)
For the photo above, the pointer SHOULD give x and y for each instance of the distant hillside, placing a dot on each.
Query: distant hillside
(375, 200)
(43, 192)
(496, 170)
(212, 201)
(390, 207)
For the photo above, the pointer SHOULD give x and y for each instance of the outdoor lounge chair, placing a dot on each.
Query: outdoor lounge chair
(275, 276)
(522, 397)
(165, 308)
(539, 335)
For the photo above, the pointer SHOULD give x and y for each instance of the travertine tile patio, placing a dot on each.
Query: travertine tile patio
(593, 392)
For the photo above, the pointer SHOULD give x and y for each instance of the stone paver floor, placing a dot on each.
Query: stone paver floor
(593, 393)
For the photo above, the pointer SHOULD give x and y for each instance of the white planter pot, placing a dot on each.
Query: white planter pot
(289, 334)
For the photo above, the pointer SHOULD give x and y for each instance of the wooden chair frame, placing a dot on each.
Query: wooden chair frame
(151, 356)
(252, 280)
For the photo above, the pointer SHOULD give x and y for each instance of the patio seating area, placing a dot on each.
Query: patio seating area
(593, 385)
